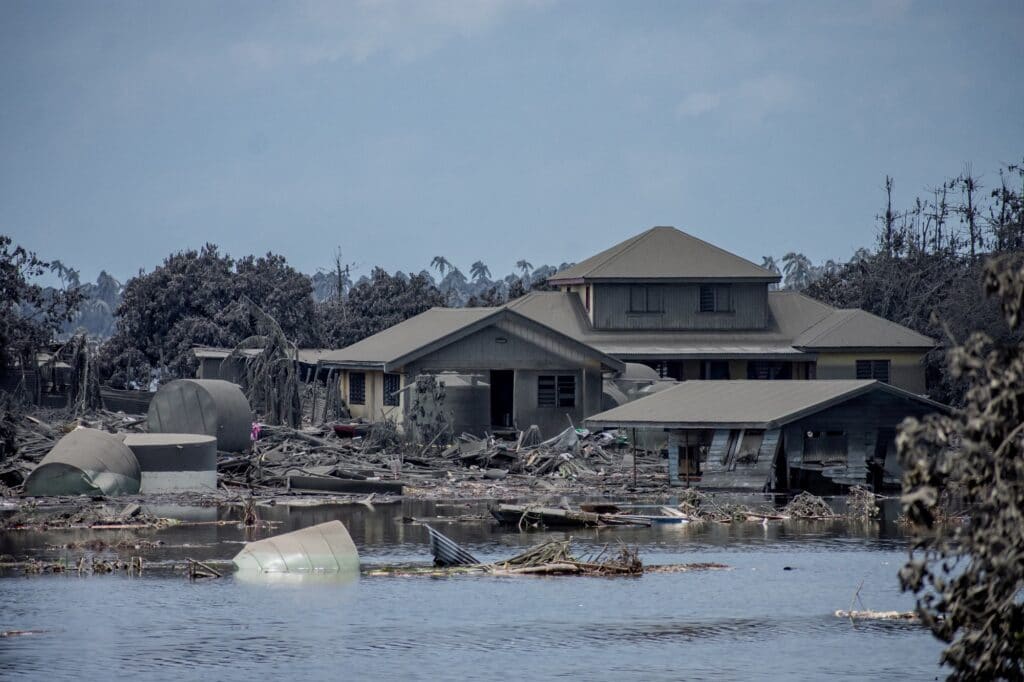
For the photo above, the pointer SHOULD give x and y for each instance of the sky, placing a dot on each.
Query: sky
(492, 130)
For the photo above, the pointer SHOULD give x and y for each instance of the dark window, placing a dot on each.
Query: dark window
(873, 369)
(764, 369)
(356, 388)
(587, 304)
(556, 390)
(644, 299)
(715, 298)
(714, 369)
(392, 386)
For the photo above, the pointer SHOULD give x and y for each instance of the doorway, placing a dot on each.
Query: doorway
(502, 391)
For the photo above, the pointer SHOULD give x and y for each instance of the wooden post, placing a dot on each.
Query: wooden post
(634, 457)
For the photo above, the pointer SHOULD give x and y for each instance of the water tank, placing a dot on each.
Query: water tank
(205, 406)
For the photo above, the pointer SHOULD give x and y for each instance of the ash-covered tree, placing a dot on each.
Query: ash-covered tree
(191, 300)
(375, 303)
(969, 582)
(30, 314)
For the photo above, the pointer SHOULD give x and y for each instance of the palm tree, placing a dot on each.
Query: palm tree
(798, 269)
(478, 271)
(441, 264)
(526, 267)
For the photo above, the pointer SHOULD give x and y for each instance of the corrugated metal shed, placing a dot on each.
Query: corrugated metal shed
(740, 404)
(665, 253)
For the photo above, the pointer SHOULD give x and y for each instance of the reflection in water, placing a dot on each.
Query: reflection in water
(770, 616)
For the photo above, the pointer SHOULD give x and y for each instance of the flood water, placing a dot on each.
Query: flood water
(755, 621)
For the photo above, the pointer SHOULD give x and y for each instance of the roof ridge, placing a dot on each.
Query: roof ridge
(625, 247)
(839, 322)
(728, 253)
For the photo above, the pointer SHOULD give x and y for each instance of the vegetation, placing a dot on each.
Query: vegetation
(192, 299)
(969, 581)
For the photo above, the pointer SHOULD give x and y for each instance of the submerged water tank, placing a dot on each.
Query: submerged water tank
(205, 406)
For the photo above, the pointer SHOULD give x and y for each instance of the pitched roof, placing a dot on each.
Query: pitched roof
(791, 316)
(665, 253)
(433, 329)
(307, 356)
(741, 403)
(854, 328)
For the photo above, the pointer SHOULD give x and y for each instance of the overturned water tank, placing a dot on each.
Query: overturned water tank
(86, 462)
(324, 548)
(205, 406)
(174, 462)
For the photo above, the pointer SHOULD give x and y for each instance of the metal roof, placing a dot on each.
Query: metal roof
(398, 345)
(740, 403)
(665, 253)
(791, 316)
(307, 356)
(854, 328)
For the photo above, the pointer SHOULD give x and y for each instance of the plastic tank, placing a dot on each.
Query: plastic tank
(86, 462)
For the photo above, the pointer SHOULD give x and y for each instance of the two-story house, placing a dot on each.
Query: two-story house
(691, 310)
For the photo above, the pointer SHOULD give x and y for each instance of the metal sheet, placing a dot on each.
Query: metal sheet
(324, 548)
(86, 462)
(447, 552)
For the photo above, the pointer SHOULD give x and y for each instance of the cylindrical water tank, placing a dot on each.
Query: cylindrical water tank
(175, 461)
(86, 462)
(205, 406)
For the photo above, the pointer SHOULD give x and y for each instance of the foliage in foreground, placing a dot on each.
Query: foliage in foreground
(968, 582)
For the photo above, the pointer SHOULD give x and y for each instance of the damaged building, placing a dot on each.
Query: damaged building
(505, 371)
(776, 435)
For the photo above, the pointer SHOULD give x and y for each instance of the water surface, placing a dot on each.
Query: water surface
(755, 621)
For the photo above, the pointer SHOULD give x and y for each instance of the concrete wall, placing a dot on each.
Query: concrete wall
(374, 408)
(681, 305)
(906, 370)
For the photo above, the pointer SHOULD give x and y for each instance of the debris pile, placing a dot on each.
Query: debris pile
(860, 504)
(808, 506)
(555, 558)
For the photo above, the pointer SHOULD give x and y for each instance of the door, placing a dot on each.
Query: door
(502, 389)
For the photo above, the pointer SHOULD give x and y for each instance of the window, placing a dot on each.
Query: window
(587, 299)
(556, 390)
(644, 299)
(873, 369)
(765, 369)
(392, 386)
(356, 388)
(714, 369)
(715, 298)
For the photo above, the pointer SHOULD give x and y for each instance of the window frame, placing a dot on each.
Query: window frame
(720, 296)
(392, 395)
(352, 392)
(557, 391)
(653, 299)
(879, 370)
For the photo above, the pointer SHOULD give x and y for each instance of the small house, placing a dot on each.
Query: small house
(526, 372)
(776, 435)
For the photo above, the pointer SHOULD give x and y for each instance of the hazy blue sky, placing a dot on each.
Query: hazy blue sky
(487, 129)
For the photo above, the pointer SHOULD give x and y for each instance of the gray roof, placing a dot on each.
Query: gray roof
(850, 328)
(740, 403)
(307, 356)
(404, 342)
(791, 314)
(665, 253)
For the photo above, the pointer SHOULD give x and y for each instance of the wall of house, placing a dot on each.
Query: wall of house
(581, 291)
(906, 370)
(530, 352)
(373, 408)
(681, 308)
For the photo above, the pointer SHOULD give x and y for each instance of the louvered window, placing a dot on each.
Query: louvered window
(715, 298)
(357, 388)
(873, 369)
(556, 390)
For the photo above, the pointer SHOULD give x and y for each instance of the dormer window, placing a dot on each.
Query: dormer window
(645, 299)
(715, 298)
